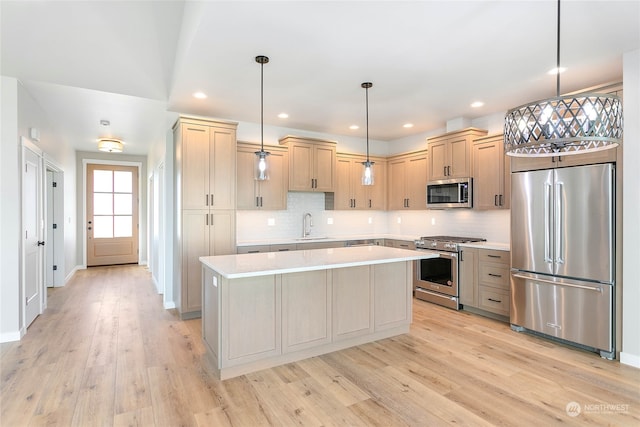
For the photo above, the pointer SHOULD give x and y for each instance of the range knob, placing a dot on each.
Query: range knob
(434, 244)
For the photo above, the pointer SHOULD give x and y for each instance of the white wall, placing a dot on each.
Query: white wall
(10, 323)
(630, 353)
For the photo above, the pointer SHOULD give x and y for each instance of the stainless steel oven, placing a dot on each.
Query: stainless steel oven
(436, 279)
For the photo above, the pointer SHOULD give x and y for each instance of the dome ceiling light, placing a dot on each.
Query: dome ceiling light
(564, 125)
(110, 145)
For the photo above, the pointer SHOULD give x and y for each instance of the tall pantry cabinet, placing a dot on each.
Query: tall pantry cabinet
(205, 203)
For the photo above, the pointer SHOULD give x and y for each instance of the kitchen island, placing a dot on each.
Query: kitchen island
(267, 309)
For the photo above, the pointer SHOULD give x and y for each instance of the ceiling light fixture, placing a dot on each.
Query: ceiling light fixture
(110, 145)
(563, 125)
(477, 104)
(261, 170)
(200, 95)
(367, 172)
(407, 125)
(354, 127)
(283, 116)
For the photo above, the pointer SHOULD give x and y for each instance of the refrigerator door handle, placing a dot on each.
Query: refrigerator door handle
(595, 288)
(560, 224)
(547, 223)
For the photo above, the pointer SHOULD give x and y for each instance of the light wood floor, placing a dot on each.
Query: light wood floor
(106, 353)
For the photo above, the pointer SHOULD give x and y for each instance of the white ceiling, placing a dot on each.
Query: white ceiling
(132, 61)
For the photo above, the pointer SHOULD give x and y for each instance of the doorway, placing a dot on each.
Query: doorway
(112, 214)
(54, 265)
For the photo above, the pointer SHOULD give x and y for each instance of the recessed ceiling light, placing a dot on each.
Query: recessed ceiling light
(407, 125)
(477, 104)
(199, 95)
(283, 116)
(554, 70)
(354, 127)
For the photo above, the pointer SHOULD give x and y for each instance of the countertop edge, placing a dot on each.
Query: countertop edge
(487, 245)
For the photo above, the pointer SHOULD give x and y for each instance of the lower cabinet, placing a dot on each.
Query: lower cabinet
(484, 280)
(256, 322)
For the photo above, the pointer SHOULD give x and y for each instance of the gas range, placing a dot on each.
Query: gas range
(444, 243)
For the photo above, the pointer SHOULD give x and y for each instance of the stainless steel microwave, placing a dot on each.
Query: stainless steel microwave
(450, 193)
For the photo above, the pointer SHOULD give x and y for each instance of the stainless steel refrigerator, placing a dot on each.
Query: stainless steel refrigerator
(563, 254)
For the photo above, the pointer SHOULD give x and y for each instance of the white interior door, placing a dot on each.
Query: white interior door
(32, 233)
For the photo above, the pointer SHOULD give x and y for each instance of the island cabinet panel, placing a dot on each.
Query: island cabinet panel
(252, 319)
(352, 302)
(306, 310)
(391, 287)
(211, 300)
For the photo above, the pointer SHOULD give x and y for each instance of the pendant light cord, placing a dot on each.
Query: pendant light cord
(367, 115)
(558, 55)
(262, 107)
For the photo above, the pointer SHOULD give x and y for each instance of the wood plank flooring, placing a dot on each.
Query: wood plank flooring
(105, 352)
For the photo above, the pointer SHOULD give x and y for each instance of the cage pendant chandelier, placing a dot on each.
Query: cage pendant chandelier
(367, 171)
(261, 170)
(564, 125)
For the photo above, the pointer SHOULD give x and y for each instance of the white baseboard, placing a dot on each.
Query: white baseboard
(630, 359)
(169, 305)
(76, 268)
(10, 336)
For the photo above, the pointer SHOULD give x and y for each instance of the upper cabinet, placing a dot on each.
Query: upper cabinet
(349, 191)
(407, 181)
(312, 164)
(450, 154)
(491, 174)
(270, 194)
(204, 153)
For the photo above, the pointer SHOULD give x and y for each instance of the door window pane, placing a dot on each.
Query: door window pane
(102, 227)
(102, 204)
(102, 181)
(122, 182)
(122, 204)
(122, 226)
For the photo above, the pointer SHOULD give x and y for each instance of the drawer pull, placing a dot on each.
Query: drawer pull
(495, 275)
(253, 252)
(494, 256)
(494, 300)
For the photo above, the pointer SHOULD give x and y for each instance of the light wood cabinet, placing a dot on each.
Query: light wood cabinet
(312, 164)
(491, 174)
(467, 276)
(484, 281)
(392, 288)
(352, 302)
(267, 195)
(401, 244)
(450, 154)
(204, 200)
(349, 191)
(407, 181)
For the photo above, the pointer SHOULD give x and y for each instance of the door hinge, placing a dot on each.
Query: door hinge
(55, 184)
(55, 226)
(55, 267)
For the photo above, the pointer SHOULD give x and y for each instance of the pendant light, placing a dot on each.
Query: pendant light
(261, 166)
(367, 171)
(564, 125)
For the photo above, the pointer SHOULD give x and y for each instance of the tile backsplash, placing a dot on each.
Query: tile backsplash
(287, 224)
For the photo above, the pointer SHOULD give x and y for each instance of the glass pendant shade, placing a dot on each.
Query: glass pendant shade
(261, 166)
(564, 125)
(367, 173)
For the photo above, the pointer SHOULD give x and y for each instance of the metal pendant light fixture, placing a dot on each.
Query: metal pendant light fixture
(261, 165)
(564, 125)
(367, 171)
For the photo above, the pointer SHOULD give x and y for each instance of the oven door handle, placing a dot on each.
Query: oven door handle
(452, 255)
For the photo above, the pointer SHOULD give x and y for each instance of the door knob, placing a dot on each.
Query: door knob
(41, 243)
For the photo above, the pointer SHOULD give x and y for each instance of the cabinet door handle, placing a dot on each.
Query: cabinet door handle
(500, 199)
(211, 219)
(211, 199)
(407, 202)
(494, 300)
(495, 200)
(369, 203)
(206, 200)
(495, 275)
(206, 219)
(444, 170)
(448, 170)
(257, 201)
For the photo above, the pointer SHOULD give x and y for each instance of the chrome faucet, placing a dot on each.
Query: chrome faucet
(306, 226)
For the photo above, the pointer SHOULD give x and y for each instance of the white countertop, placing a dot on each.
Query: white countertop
(487, 245)
(310, 239)
(263, 264)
